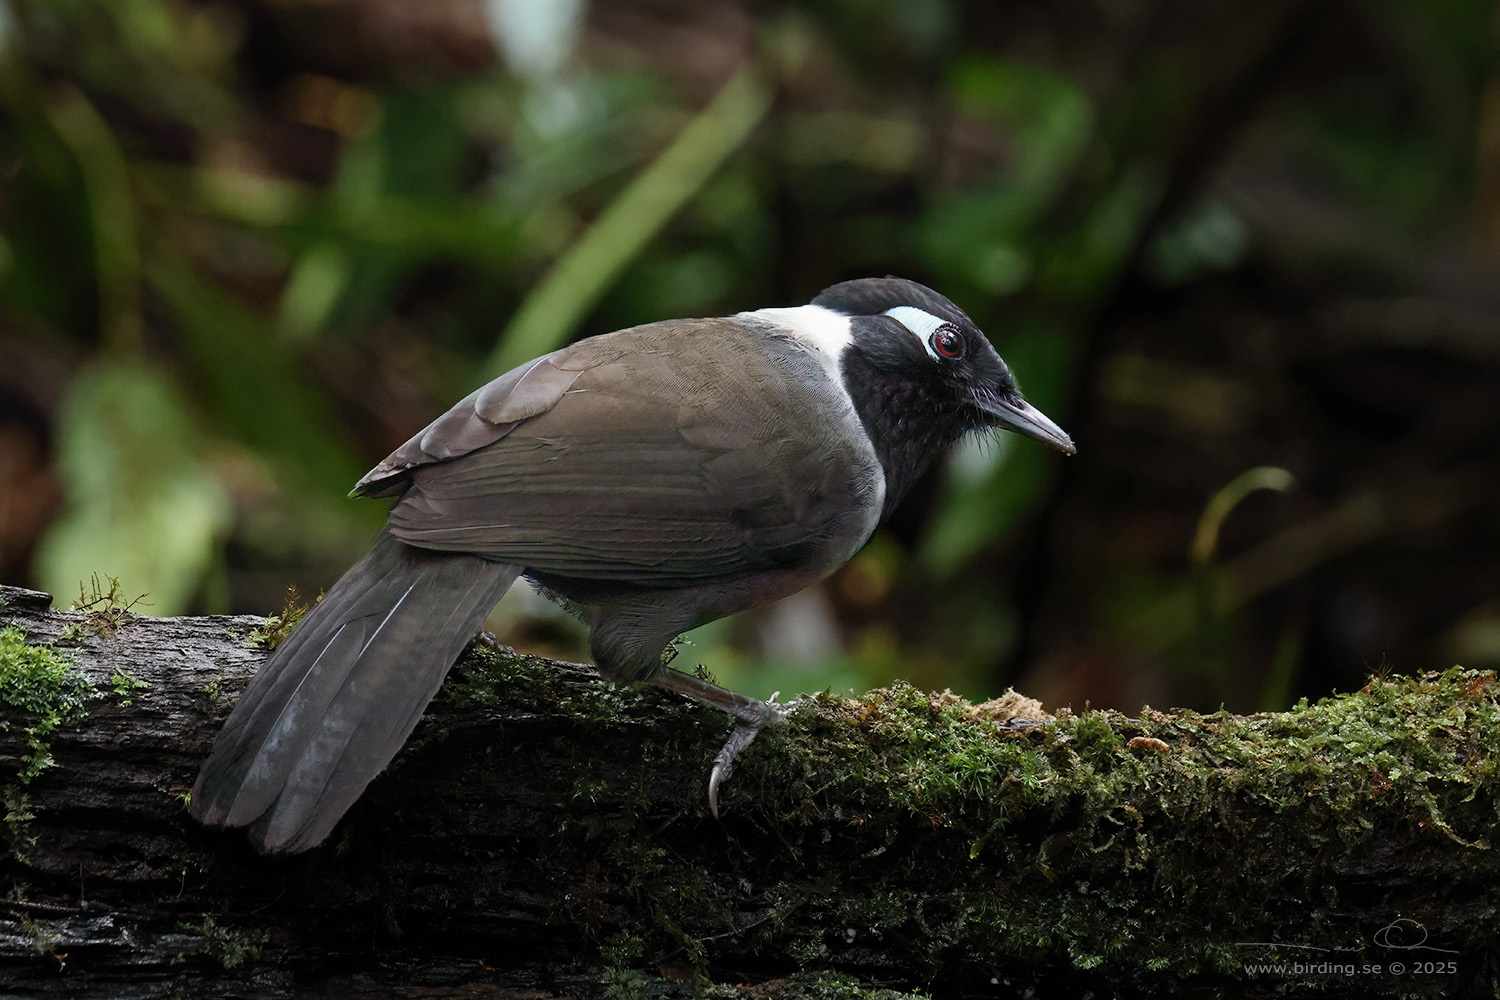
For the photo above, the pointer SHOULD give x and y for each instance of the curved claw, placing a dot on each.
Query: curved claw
(751, 714)
(717, 777)
(743, 735)
(724, 762)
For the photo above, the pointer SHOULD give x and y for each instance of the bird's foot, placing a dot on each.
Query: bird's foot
(670, 650)
(743, 735)
(486, 639)
(752, 716)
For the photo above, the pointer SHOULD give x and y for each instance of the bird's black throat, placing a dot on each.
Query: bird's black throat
(910, 421)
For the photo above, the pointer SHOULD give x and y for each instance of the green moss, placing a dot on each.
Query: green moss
(18, 817)
(624, 981)
(1097, 840)
(46, 687)
(826, 985)
(488, 678)
(230, 947)
(1106, 796)
(124, 684)
(621, 954)
(105, 608)
(276, 628)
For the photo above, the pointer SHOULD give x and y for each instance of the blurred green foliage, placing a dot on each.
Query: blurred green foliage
(141, 497)
(248, 247)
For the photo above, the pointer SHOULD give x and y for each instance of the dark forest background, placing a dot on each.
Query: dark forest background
(1245, 253)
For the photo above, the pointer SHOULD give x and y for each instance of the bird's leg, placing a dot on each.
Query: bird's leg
(752, 714)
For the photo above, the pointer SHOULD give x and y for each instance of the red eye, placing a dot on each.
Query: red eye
(947, 342)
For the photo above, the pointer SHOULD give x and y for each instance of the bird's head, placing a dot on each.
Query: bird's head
(921, 375)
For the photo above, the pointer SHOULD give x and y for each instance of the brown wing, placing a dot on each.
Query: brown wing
(664, 469)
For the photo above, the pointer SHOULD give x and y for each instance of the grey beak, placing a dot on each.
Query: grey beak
(1023, 418)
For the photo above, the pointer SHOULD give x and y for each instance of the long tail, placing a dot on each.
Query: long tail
(336, 700)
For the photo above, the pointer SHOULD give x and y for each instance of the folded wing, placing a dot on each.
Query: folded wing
(612, 461)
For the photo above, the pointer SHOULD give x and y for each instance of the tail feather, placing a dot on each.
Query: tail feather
(336, 700)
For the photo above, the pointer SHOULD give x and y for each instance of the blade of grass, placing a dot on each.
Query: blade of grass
(1358, 520)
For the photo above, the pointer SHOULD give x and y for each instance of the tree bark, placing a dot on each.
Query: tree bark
(545, 832)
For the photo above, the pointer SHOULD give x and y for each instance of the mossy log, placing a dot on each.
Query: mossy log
(547, 833)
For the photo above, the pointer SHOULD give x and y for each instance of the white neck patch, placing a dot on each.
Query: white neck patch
(826, 329)
(921, 323)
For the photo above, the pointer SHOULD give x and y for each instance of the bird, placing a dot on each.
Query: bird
(651, 480)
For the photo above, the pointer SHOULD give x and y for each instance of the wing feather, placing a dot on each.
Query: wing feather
(638, 465)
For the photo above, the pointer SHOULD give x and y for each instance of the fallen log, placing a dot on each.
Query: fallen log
(546, 832)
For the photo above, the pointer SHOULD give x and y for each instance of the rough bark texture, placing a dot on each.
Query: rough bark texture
(545, 832)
